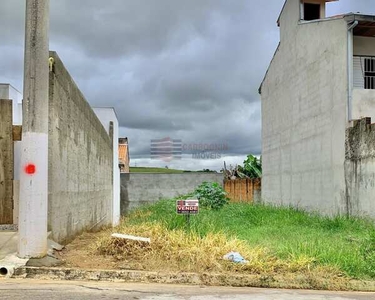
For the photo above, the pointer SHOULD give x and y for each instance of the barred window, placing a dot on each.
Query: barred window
(369, 73)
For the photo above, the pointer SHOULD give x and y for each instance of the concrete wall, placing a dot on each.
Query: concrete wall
(304, 113)
(289, 18)
(80, 161)
(363, 103)
(360, 168)
(143, 188)
(107, 115)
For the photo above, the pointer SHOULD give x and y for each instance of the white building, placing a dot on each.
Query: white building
(7, 91)
(107, 116)
(321, 78)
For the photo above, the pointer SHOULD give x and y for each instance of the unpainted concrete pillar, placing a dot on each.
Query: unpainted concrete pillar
(33, 206)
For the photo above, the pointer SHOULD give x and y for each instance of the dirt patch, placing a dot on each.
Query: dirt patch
(81, 254)
(78, 254)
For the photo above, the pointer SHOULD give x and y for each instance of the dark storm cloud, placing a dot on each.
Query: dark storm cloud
(187, 69)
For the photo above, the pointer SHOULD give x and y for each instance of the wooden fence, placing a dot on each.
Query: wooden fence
(243, 190)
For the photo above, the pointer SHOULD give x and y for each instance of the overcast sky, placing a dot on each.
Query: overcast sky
(184, 69)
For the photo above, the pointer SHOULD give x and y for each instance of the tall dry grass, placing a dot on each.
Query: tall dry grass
(180, 250)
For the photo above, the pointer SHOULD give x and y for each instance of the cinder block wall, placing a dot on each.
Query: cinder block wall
(80, 161)
(143, 188)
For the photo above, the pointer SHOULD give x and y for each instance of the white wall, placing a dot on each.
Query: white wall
(289, 19)
(363, 104)
(364, 46)
(304, 115)
(9, 92)
(107, 115)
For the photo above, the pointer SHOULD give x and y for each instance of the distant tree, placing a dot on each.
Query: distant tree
(207, 171)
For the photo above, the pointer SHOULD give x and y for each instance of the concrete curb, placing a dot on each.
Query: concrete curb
(235, 280)
(9, 264)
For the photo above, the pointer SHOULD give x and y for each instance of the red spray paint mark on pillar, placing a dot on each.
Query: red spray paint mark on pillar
(30, 169)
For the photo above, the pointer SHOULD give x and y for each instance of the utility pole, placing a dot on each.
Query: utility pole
(33, 206)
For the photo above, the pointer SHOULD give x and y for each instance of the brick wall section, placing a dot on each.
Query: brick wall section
(80, 161)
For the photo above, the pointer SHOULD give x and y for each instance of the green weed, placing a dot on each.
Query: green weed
(344, 243)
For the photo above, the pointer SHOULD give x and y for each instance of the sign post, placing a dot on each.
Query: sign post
(187, 208)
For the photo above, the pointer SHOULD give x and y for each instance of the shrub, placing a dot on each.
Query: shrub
(211, 195)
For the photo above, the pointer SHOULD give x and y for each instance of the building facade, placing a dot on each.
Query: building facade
(320, 80)
(124, 160)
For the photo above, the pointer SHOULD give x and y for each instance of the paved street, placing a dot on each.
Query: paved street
(33, 289)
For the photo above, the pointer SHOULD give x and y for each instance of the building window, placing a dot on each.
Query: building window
(369, 73)
(311, 11)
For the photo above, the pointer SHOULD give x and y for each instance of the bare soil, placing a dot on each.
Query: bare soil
(79, 254)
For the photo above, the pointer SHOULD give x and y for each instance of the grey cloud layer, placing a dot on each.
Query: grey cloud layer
(184, 69)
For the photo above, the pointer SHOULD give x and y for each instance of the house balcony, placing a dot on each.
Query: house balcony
(363, 93)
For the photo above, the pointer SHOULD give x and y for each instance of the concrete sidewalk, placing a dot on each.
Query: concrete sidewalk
(8, 243)
(46, 289)
(9, 260)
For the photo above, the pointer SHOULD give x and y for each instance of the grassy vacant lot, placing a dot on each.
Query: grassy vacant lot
(272, 239)
(285, 247)
(154, 170)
